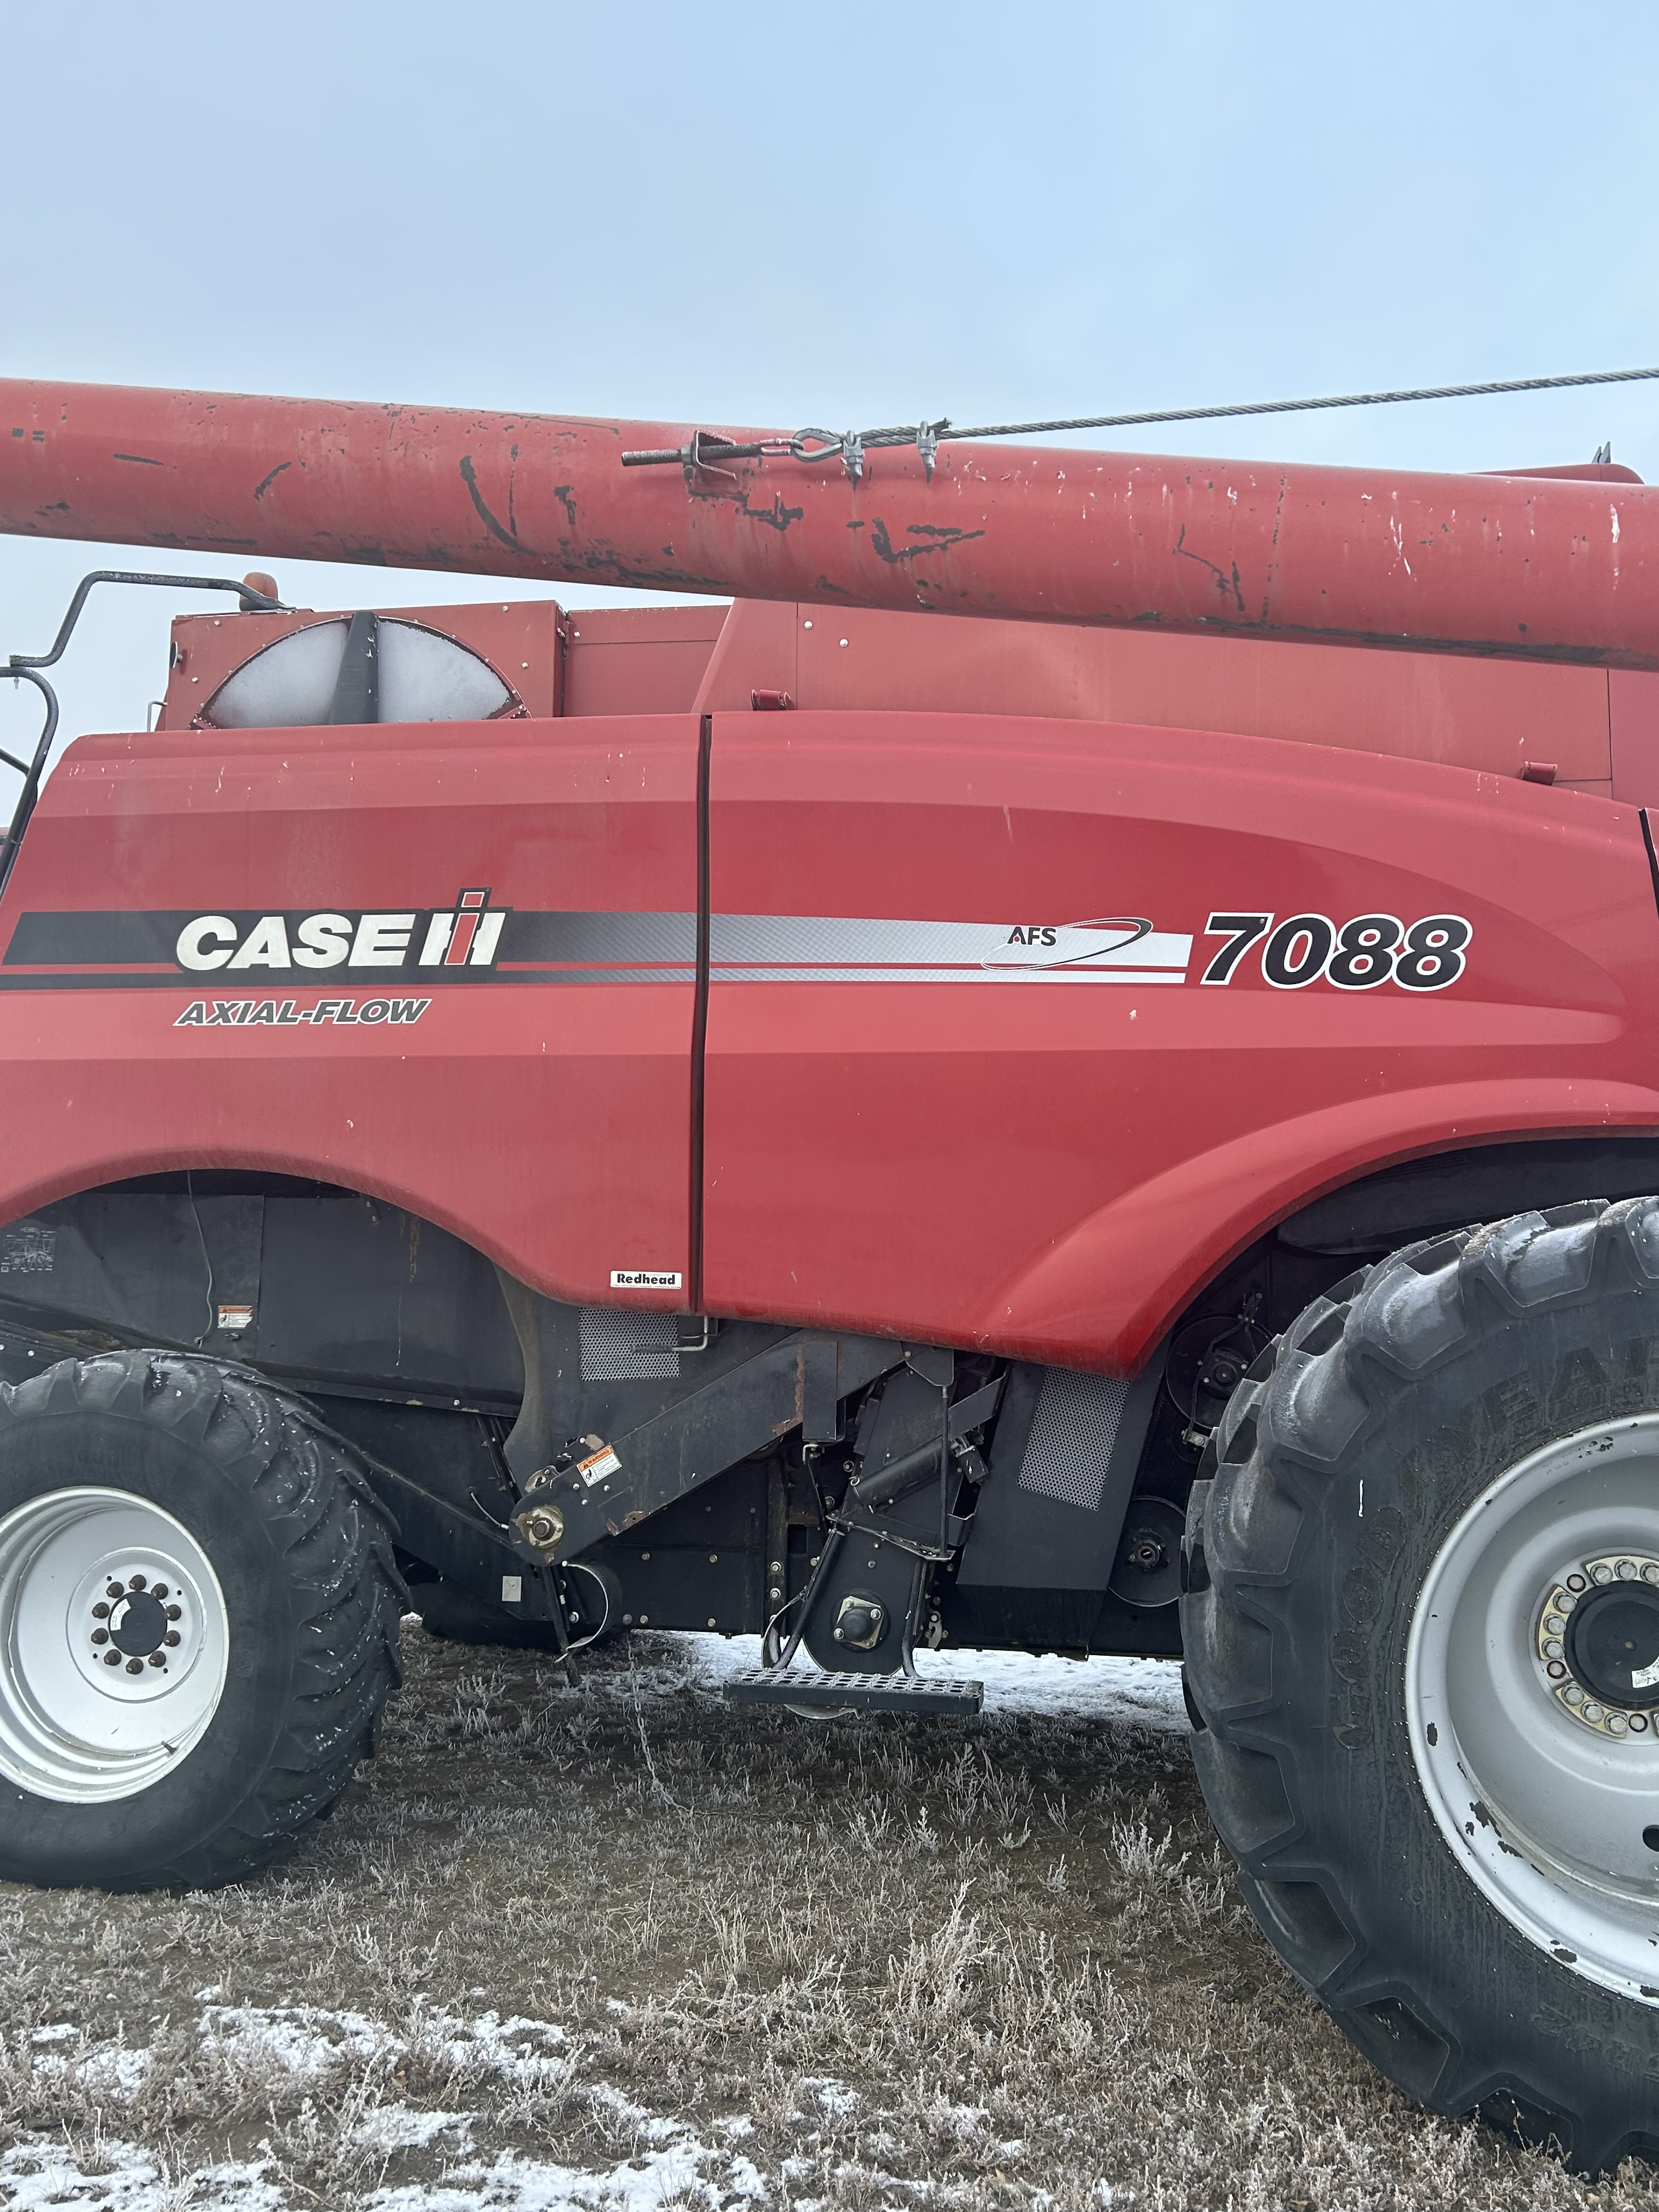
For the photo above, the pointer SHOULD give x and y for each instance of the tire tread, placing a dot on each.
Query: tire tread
(1332, 1378)
(335, 1544)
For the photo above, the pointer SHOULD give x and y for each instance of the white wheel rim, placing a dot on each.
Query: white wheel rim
(1545, 1810)
(86, 1574)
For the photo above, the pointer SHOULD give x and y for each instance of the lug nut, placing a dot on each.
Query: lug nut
(171, 1637)
(137, 1584)
(116, 1589)
(134, 1665)
(101, 1636)
(112, 1658)
(101, 1611)
(160, 1591)
(1557, 1671)
(175, 1612)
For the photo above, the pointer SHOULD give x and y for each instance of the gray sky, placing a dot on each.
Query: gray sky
(843, 213)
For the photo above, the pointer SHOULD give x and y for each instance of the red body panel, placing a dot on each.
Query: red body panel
(1053, 1166)
(1432, 707)
(1500, 715)
(1534, 567)
(937, 1135)
(545, 1121)
(898, 1136)
(637, 660)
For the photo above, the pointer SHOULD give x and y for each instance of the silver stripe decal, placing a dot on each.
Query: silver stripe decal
(782, 972)
(52, 952)
(744, 947)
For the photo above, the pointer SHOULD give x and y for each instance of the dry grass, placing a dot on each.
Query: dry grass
(631, 1948)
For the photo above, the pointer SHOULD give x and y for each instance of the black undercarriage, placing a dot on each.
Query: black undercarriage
(558, 1473)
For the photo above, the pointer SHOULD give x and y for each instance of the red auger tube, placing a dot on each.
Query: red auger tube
(1531, 567)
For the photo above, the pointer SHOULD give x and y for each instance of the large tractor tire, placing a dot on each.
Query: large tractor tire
(1422, 1631)
(198, 1622)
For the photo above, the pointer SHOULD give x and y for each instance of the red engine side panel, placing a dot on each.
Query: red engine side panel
(1019, 1131)
(184, 911)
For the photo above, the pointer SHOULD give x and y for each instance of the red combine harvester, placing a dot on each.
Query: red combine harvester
(942, 1102)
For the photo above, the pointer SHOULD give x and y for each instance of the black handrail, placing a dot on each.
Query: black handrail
(25, 668)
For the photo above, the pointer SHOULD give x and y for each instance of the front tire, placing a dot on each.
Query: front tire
(1422, 1575)
(198, 1622)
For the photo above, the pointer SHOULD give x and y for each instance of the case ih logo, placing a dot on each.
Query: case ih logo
(467, 935)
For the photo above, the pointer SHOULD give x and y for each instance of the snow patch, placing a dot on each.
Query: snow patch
(829, 2094)
(302, 2041)
(37, 2172)
(308, 2043)
(397, 2127)
(108, 2069)
(513, 2184)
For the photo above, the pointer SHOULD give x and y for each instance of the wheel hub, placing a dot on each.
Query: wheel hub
(114, 1641)
(1598, 1643)
(1532, 1698)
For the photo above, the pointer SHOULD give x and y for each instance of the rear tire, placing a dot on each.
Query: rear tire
(1440, 1846)
(198, 1622)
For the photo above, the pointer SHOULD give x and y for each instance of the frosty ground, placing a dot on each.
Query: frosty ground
(628, 1949)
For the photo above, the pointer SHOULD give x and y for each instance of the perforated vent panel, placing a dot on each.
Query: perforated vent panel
(1070, 1447)
(628, 1347)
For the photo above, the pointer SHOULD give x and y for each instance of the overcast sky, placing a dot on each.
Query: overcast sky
(840, 214)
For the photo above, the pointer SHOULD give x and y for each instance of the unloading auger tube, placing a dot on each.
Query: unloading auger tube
(1529, 568)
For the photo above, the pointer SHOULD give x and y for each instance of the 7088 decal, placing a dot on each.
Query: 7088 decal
(1355, 955)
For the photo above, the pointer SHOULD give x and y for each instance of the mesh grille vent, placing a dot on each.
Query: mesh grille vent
(628, 1347)
(1070, 1447)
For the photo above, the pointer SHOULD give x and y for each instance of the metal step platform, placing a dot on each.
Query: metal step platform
(847, 1692)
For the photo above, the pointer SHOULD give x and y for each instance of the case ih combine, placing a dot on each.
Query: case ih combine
(1077, 1071)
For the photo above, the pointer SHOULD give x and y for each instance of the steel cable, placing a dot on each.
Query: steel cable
(709, 449)
(1305, 406)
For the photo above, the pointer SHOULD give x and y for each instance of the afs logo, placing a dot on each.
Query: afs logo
(1098, 944)
(467, 935)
